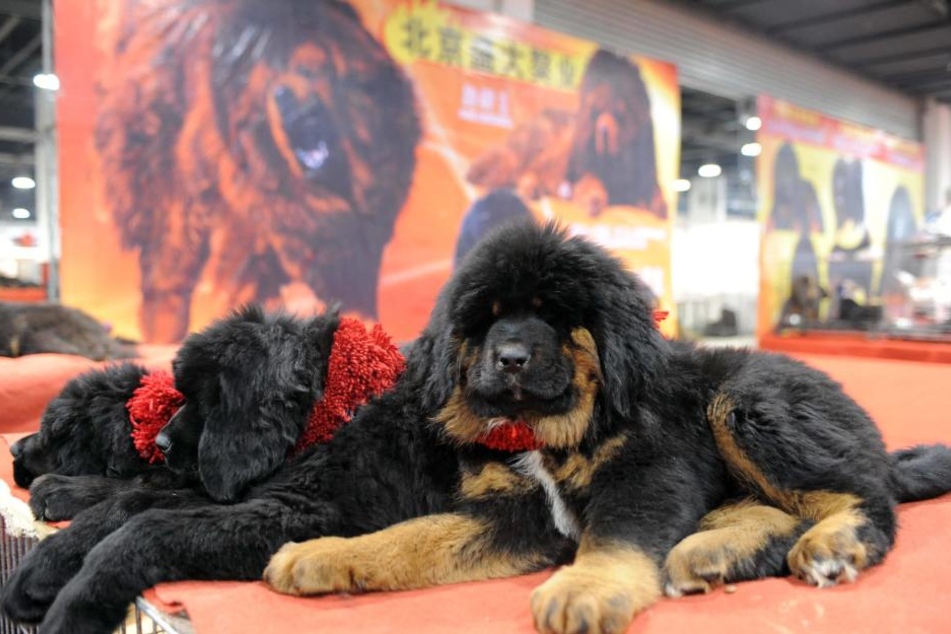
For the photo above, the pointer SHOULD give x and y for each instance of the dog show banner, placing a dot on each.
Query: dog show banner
(837, 202)
(304, 153)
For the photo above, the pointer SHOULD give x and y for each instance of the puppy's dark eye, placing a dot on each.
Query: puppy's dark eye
(496, 308)
(537, 302)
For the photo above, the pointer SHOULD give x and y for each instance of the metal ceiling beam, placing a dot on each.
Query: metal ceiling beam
(18, 135)
(935, 85)
(912, 77)
(813, 20)
(931, 25)
(21, 55)
(15, 160)
(901, 57)
(8, 25)
(29, 9)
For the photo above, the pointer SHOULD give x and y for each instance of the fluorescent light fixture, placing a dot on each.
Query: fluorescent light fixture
(23, 182)
(754, 123)
(21, 213)
(751, 149)
(710, 170)
(46, 81)
(681, 185)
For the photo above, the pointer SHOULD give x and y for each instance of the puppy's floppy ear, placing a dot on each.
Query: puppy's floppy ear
(633, 352)
(431, 367)
(318, 341)
(249, 431)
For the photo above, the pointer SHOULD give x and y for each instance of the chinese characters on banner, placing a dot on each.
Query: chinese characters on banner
(301, 153)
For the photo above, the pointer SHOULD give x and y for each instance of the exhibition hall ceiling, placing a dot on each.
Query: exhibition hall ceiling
(905, 44)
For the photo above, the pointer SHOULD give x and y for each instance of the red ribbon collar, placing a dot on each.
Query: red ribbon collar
(511, 436)
(362, 364)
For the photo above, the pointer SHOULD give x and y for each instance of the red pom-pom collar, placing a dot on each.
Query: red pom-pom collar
(362, 364)
(152, 405)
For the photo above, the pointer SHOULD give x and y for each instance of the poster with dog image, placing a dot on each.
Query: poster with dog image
(304, 153)
(836, 200)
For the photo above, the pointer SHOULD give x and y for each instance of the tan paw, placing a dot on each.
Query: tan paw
(579, 602)
(828, 554)
(694, 567)
(319, 566)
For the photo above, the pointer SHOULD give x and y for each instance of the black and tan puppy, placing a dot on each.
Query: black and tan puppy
(578, 427)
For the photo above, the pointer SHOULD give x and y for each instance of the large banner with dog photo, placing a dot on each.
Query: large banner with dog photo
(306, 152)
(837, 201)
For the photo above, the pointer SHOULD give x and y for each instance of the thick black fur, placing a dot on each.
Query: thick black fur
(524, 286)
(53, 328)
(251, 380)
(382, 467)
(391, 463)
(85, 430)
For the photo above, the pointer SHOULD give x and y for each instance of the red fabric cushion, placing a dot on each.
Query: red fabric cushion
(905, 594)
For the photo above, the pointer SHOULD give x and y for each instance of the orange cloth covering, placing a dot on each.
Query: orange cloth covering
(857, 345)
(905, 594)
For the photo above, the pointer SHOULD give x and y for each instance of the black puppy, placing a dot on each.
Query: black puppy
(53, 328)
(270, 369)
(249, 384)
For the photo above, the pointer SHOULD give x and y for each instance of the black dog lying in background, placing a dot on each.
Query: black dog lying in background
(37, 328)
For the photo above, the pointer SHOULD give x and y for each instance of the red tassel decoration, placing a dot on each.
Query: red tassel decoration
(152, 405)
(362, 365)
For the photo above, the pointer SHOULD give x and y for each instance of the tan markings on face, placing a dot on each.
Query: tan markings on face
(567, 430)
(428, 551)
(557, 432)
(600, 592)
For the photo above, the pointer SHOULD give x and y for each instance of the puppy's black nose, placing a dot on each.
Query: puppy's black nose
(512, 357)
(17, 448)
(163, 442)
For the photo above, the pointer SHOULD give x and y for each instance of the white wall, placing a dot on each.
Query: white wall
(936, 123)
(716, 264)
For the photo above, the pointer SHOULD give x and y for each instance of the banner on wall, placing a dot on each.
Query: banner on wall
(837, 201)
(303, 152)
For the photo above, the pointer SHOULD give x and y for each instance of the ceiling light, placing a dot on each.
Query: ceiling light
(23, 182)
(751, 149)
(710, 170)
(754, 123)
(681, 185)
(46, 81)
(21, 213)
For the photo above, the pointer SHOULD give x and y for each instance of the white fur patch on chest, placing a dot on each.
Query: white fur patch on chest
(531, 465)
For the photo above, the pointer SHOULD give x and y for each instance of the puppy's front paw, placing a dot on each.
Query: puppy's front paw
(55, 498)
(28, 594)
(697, 565)
(828, 554)
(318, 566)
(576, 601)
